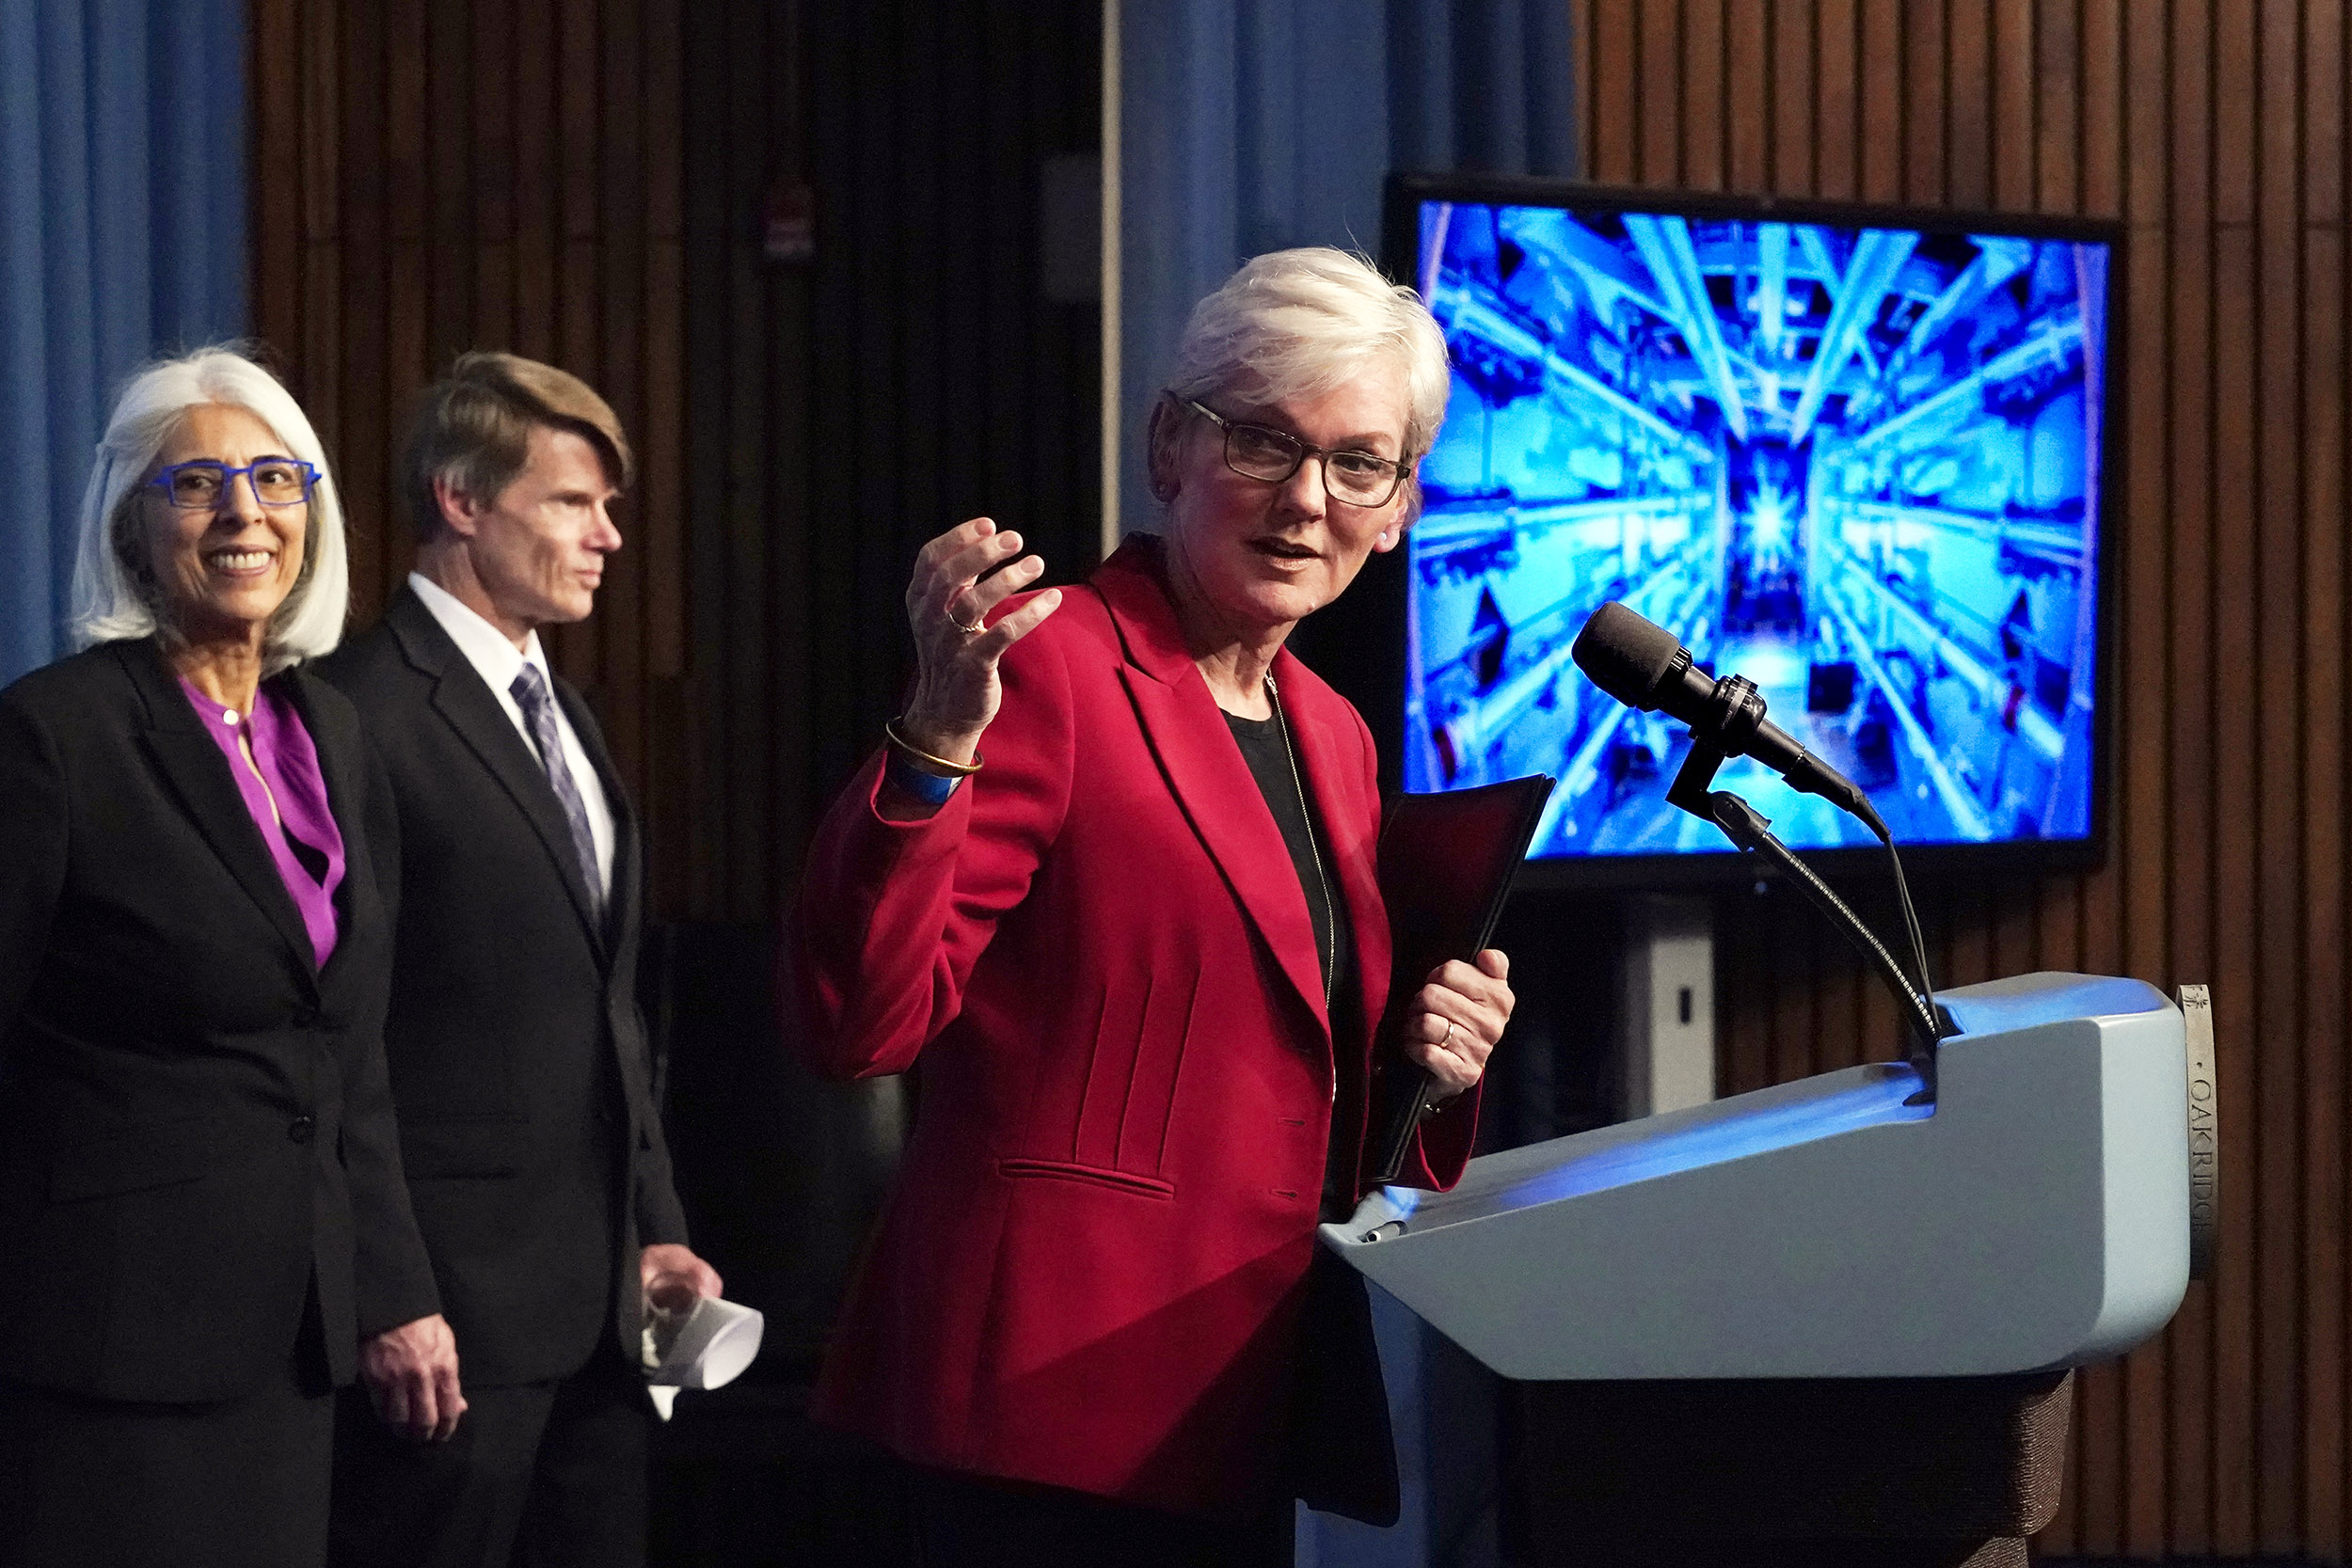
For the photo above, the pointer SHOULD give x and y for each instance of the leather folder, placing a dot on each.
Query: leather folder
(1447, 860)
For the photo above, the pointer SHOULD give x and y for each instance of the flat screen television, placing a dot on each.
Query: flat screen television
(1853, 453)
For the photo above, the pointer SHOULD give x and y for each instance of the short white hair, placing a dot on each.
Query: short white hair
(112, 598)
(1301, 323)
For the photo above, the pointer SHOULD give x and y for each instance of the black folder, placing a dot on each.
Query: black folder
(1447, 862)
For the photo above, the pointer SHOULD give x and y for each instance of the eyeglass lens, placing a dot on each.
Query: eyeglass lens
(1355, 477)
(277, 484)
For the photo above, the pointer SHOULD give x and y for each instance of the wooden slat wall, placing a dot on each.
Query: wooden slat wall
(587, 182)
(437, 175)
(850, 407)
(2216, 130)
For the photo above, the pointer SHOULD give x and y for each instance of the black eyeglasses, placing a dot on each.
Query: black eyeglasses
(199, 485)
(1257, 452)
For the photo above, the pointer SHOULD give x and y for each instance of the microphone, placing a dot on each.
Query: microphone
(1641, 664)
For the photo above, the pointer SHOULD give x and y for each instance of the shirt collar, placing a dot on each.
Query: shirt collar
(487, 648)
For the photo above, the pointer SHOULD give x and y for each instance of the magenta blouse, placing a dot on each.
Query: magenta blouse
(290, 763)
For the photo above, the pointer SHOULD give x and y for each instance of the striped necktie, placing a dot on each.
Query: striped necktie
(529, 691)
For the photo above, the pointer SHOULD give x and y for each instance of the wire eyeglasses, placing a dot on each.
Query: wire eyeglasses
(1258, 451)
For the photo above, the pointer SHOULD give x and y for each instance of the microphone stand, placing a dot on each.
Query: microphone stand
(1750, 830)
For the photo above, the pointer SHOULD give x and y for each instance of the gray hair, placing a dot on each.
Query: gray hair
(113, 596)
(1300, 323)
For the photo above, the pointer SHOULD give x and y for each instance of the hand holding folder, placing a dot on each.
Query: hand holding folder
(1447, 862)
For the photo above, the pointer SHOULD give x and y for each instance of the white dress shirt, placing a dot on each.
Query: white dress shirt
(498, 662)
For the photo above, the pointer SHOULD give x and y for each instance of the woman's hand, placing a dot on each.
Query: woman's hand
(1456, 1019)
(956, 688)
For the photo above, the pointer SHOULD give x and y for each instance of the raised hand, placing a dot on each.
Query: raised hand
(956, 651)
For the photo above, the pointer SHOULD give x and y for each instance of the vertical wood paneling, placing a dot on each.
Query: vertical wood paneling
(1969, 110)
(1747, 107)
(849, 407)
(462, 174)
(1661, 64)
(1925, 65)
(2217, 131)
(1703, 110)
(1883, 148)
(2134, 889)
(2234, 518)
(1793, 107)
(2322, 848)
(2275, 644)
(1615, 126)
(1840, 87)
(533, 110)
(2012, 129)
(2059, 139)
(588, 182)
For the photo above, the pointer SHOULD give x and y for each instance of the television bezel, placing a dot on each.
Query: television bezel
(1360, 644)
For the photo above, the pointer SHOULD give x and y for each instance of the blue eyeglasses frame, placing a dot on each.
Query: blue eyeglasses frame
(229, 478)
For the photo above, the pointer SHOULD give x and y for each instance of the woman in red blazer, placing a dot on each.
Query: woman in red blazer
(1139, 954)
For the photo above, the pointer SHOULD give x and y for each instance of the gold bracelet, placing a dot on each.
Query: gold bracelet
(925, 760)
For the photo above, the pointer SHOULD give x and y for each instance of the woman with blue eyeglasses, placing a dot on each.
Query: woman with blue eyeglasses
(203, 1228)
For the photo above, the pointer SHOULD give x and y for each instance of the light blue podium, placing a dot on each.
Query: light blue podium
(1858, 1308)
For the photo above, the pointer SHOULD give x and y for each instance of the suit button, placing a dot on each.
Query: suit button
(308, 1018)
(302, 1130)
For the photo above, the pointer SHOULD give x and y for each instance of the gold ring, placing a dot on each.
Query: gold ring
(1447, 1043)
(949, 612)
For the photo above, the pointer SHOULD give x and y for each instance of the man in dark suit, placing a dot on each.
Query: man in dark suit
(520, 1065)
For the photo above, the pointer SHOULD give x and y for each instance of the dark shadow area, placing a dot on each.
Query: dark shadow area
(781, 1175)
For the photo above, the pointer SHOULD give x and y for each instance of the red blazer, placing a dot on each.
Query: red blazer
(1089, 1272)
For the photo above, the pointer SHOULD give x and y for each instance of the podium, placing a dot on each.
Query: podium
(1824, 1322)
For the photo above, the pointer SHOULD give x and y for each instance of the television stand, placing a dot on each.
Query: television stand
(1664, 1055)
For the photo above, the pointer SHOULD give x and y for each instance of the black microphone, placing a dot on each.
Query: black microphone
(1642, 665)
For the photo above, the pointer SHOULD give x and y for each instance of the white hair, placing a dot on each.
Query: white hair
(1300, 323)
(113, 597)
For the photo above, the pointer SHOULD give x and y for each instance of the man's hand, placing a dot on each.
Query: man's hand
(672, 1277)
(411, 1374)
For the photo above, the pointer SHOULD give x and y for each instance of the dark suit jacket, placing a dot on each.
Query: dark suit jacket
(194, 1125)
(534, 1152)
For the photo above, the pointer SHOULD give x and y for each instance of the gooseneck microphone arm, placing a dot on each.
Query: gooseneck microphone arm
(1644, 666)
(1751, 831)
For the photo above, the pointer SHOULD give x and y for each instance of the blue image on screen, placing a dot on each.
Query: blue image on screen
(1857, 465)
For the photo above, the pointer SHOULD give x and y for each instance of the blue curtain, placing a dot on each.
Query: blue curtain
(1250, 125)
(123, 152)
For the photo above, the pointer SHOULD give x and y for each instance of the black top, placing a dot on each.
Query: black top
(1266, 748)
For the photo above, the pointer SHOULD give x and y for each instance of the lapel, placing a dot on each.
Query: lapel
(1205, 769)
(1318, 727)
(466, 704)
(337, 747)
(191, 763)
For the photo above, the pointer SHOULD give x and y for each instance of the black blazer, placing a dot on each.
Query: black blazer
(195, 1124)
(534, 1152)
